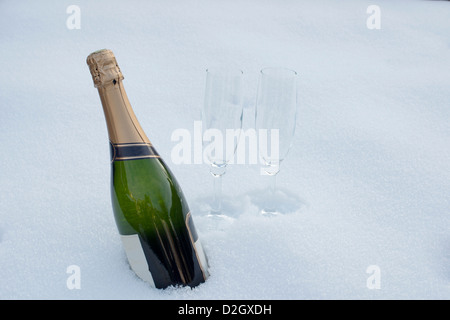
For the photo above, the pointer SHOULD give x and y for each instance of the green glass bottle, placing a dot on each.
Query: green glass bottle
(150, 210)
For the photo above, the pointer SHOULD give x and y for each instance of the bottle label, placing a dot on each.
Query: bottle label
(136, 257)
(143, 262)
(132, 151)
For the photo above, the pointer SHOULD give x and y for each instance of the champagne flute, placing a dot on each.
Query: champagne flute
(222, 111)
(276, 112)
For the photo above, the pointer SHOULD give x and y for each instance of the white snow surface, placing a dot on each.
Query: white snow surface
(370, 163)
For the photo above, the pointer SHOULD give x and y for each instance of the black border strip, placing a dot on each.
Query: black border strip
(132, 151)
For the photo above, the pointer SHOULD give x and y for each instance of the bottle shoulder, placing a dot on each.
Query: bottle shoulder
(146, 187)
(146, 175)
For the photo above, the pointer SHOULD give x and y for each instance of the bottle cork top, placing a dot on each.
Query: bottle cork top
(104, 68)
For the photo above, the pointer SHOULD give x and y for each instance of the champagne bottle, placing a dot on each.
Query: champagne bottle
(150, 210)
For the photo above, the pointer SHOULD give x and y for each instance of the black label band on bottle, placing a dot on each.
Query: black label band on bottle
(132, 151)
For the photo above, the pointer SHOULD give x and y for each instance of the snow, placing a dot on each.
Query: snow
(367, 179)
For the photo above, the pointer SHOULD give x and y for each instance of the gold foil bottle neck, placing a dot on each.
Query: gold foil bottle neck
(123, 126)
(104, 68)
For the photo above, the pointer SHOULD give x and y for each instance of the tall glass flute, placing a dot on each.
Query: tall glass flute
(276, 112)
(222, 111)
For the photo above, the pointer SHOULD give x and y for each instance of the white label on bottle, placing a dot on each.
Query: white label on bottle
(136, 257)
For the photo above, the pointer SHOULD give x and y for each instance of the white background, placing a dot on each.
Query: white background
(370, 163)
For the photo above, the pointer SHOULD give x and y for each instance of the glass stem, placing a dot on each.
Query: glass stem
(272, 172)
(217, 171)
(273, 186)
(270, 204)
(217, 200)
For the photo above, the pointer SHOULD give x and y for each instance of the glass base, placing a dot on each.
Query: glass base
(219, 216)
(215, 220)
(280, 203)
(269, 212)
